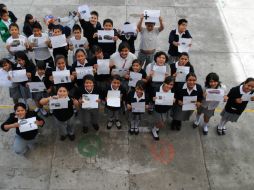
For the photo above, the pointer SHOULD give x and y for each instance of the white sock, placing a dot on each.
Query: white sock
(154, 131)
(205, 126)
(197, 119)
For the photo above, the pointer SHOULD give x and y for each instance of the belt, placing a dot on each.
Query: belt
(147, 51)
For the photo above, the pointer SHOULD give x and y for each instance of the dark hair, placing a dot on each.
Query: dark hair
(108, 20)
(250, 79)
(136, 61)
(126, 22)
(183, 54)
(94, 13)
(22, 55)
(80, 50)
(149, 23)
(40, 65)
(2, 6)
(190, 75)
(28, 17)
(181, 21)
(76, 27)
(51, 26)
(4, 61)
(169, 79)
(96, 48)
(88, 77)
(123, 45)
(115, 77)
(37, 25)
(212, 76)
(60, 57)
(13, 25)
(3, 12)
(62, 86)
(159, 53)
(140, 84)
(19, 104)
(57, 27)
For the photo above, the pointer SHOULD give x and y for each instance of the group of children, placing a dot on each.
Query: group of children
(155, 77)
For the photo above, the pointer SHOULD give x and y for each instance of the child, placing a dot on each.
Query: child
(130, 39)
(137, 95)
(4, 25)
(16, 42)
(41, 51)
(148, 40)
(89, 116)
(162, 111)
(11, 15)
(23, 140)
(90, 28)
(113, 112)
(174, 36)
(108, 48)
(64, 116)
(77, 41)
(208, 107)
(236, 103)
(189, 88)
(27, 28)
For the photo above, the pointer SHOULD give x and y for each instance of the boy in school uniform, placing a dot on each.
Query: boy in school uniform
(148, 40)
(4, 25)
(174, 37)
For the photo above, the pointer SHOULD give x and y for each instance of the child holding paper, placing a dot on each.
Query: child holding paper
(64, 116)
(238, 98)
(208, 107)
(114, 110)
(188, 90)
(174, 36)
(136, 96)
(88, 115)
(23, 140)
(5, 22)
(39, 44)
(129, 38)
(162, 110)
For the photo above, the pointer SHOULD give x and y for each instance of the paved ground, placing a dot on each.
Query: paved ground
(222, 42)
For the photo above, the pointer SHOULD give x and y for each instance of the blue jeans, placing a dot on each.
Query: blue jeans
(21, 145)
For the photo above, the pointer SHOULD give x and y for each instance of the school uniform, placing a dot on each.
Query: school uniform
(17, 44)
(174, 67)
(181, 90)
(4, 29)
(130, 40)
(141, 71)
(27, 29)
(39, 95)
(23, 140)
(12, 17)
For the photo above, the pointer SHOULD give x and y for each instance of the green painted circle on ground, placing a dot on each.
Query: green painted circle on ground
(89, 145)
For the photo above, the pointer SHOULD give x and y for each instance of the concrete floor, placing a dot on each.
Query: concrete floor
(106, 160)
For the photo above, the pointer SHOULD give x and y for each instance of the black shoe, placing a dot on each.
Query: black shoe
(194, 125)
(178, 127)
(110, 124)
(224, 131)
(131, 131)
(219, 131)
(118, 124)
(71, 137)
(155, 137)
(96, 127)
(136, 131)
(173, 127)
(205, 132)
(63, 137)
(85, 129)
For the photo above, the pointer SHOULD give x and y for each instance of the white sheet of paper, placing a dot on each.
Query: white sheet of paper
(84, 12)
(83, 71)
(18, 75)
(113, 98)
(36, 86)
(4, 81)
(159, 73)
(121, 72)
(247, 97)
(17, 45)
(61, 76)
(152, 16)
(59, 103)
(215, 95)
(58, 41)
(39, 42)
(189, 103)
(27, 124)
(105, 36)
(90, 101)
(184, 44)
(130, 29)
(138, 107)
(103, 67)
(164, 98)
(134, 78)
(181, 73)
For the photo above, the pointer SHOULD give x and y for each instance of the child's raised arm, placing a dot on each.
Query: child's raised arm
(139, 26)
(161, 24)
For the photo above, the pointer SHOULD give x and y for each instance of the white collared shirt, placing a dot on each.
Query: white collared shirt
(242, 92)
(40, 77)
(113, 88)
(180, 35)
(188, 90)
(7, 23)
(57, 69)
(81, 65)
(141, 98)
(88, 91)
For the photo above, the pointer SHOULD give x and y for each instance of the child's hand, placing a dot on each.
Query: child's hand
(160, 18)
(29, 75)
(151, 73)
(129, 107)
(115, 38)
(39, 123)
(72, 77)
(238, 100)
(49, 90)
(142, 16)
(71, 47)
(225, 98)
(51, 78)
(98, 100)
(198, 104)
(26, 45)
(95, 66)
(75, 101)
(176, 43)
(95, 35)
(167, 74)
(180, 102)
(154, 98)
(8, 47)
(190, 45)
(252, 98)
(127, 76)
(111, 63)
(74, 73)
(54, 97)
(9, 78)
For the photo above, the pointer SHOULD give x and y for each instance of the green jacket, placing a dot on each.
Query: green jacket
(4, 31)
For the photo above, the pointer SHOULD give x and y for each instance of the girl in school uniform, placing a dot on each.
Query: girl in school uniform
(23, 140)
(114, 112)
(137, 95)
(162, 111)
(189, 88)
(88, 115)
(63, 117)
(236, 103)
(208, 107)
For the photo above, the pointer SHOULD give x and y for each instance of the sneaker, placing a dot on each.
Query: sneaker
(219, 131)
(43, 112)
(96, 127)
(205, 130)
(63, 137)
(110, 124)
(131, 131)
(118, 124)
(224, 131)
(71, 137)
(136, 131)
(36, 110)
(155, 134)
(85, 129)
(194, 125)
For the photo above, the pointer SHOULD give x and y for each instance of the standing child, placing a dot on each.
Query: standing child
(4, 25)
(187, 89)
(238, 98)
(114, 112)
(162, 111)
(63, 117)
(28, 25)
(174, 37)
(208, 107)
(137, 95)
(130, 39)
(11, 15)
(148, 40)
(184, 60)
